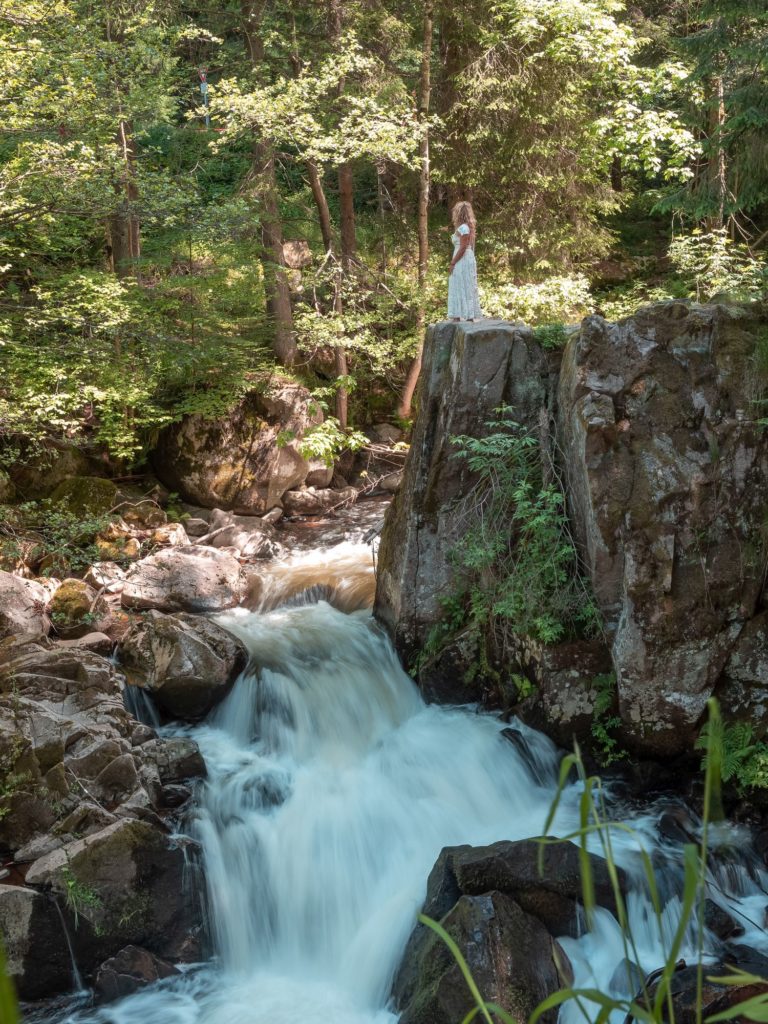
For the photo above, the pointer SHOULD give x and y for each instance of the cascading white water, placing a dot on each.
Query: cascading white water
(332, 789)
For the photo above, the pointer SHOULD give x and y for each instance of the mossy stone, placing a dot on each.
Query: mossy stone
(86, 495)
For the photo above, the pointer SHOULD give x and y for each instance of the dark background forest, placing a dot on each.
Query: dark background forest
(162, 255)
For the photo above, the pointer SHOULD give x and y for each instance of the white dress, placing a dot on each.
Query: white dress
(463, 301)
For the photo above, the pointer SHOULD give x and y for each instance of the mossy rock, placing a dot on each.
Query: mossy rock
(86, 495)
(76, 609)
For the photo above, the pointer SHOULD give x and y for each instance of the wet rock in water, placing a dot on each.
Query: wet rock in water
(177, 759)
(125, 884)
(657, 443)
(511, 955)
(311, 501)
(128, 971)
(244, 461)
(552, 895)
(22, 607)
(86, 495)
(37, 958)
(720, 922)
(187, 663)
(191, 579)
(251, 536)
(693, 1004)
(77, 609)
(627, 980)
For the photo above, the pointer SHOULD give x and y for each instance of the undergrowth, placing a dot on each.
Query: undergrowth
(744, 760)
(516, 569)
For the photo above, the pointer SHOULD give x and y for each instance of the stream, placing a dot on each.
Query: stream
(332, 788)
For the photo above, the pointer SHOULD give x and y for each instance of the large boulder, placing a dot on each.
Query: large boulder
(86, 495)
(244, 461)
(186, 662)
(83, 794)
(184, 579)
(311, 501)
(39, 472)
(469, 370)
(37, 958)
(76, 609)
(667, 482)
(513, 960)
(505, 906)
(128, 971)
(125, 885)
(22, 607)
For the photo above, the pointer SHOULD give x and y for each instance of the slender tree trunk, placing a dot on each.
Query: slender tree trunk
(404, 408)
(323, 213)
(123, 230)
(617, 174)
(716, 168)
(347, 230)
(276, 286)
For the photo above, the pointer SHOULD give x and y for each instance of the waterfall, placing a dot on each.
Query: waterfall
(332, 787)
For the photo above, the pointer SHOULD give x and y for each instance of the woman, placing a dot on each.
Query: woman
(463, 301)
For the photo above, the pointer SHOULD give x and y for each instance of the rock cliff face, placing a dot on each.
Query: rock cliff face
(667, 476)
(654, 423)
(469, 371)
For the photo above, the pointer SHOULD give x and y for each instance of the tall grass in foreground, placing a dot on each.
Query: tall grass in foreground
(654, 1003)
(9, 1008)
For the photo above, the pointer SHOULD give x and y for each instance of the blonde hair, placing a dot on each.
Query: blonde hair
(462, 213)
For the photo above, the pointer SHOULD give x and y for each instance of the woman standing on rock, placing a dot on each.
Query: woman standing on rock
(463, 301)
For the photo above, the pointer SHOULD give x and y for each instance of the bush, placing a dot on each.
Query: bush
(516, 567)
(555, 300)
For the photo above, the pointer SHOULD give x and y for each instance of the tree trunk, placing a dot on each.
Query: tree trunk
(404, 408)
(617, 174)
(716, 167)
(347, 230)
(323, 213)
(276, 286)
(123, 226)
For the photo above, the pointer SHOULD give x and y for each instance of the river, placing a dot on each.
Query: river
(332, 787)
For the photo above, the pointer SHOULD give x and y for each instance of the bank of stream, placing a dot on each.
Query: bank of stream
(332, 788)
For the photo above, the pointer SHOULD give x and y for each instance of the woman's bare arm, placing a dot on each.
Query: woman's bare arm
(463, 246)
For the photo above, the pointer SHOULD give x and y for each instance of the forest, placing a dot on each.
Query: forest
(196, 197)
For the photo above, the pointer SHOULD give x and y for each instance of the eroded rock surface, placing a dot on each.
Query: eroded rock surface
(469, 371)
(667, 486)
(83, 795)
(22, 607)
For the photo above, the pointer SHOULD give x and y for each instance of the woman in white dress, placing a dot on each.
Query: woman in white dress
(463, 301)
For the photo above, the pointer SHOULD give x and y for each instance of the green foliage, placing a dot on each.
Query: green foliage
(9, 1007)
(552, 336)
(743, 759)
(327, 441)
(38, 530)
(12, 780)
(516, 571)
(605, 721)
(79, 896)
(712, 263)
(553, 301)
